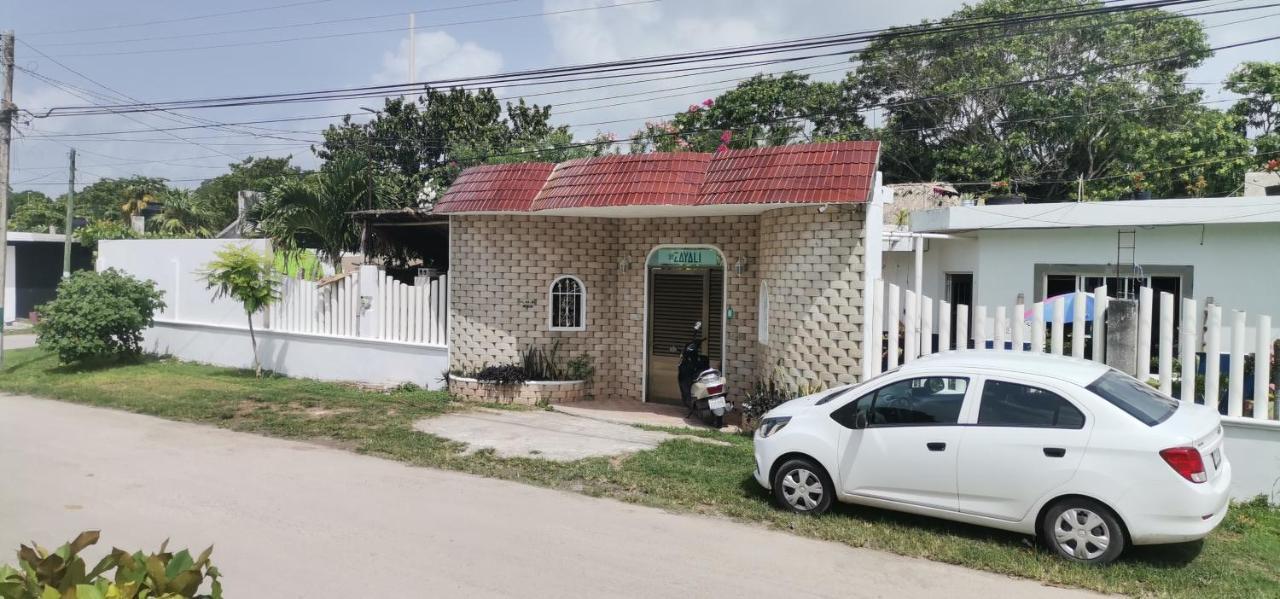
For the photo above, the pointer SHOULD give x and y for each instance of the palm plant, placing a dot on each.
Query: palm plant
(137, 199)
(184, 216)
(248, 277)
(312, 212)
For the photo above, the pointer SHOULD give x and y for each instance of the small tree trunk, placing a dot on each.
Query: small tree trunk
(257, 364)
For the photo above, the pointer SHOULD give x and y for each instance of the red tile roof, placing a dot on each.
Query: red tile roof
(810, 173)
(625, 180)
(495, 188)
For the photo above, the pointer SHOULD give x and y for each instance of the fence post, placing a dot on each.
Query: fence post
(1262, 369)
(366, 314)
(1100, 323)
(1144, 334)
(1235, 384)
(926, 325)
(1122, 351)
(1166, 343)
(944, 326)
(893, 315)
(1059, 316)
(1019, 331)
(910, 336)
(871, 359)
(1001, 318)
(1037, 327)
(1078, 314)
(1212, 355)
(962, 327)
(980, 327)
(1188, 390)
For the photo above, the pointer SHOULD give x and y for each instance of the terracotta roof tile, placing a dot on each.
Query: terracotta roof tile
(811, 173)
(495, 188)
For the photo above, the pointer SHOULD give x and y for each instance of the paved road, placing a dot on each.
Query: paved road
(24, 340)
(299, 520)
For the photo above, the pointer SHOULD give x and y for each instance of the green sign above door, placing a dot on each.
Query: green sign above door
(686, 258)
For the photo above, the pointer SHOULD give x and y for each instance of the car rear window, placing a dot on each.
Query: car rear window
(1136, 399)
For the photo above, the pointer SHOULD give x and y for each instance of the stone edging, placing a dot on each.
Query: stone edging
(530, 393)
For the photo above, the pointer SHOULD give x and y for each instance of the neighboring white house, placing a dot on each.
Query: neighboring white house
(1227, 249)
(34, 267)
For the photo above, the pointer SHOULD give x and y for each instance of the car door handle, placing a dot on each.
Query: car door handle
(936, 446)
(1055, 452)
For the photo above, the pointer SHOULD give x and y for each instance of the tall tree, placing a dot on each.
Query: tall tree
(1040, 103)
(765, 110)
(1258, 84)
(104, 198)
(216, 198)
(21, 198)
(311, 212)
(37, 214)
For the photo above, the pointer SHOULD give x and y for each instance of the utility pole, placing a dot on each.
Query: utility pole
(413, 50)
(6, 122)
(66, 229)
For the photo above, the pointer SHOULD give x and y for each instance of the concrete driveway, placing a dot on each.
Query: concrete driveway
(293, 519)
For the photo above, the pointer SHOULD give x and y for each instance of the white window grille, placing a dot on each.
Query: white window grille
(568, 302)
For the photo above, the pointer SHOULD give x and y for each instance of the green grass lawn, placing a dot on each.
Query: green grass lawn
(1241, 559)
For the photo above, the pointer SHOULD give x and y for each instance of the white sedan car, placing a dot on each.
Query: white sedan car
(1086, 457)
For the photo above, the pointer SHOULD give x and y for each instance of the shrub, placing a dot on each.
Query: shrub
(98, 315)
(503, 374)
(246, 277)
(63, 573)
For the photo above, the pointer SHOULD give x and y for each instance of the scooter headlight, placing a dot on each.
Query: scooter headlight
(770, 426)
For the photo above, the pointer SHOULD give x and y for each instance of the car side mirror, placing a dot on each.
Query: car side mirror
(860, 420)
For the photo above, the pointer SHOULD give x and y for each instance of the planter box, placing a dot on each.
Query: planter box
(531, 393)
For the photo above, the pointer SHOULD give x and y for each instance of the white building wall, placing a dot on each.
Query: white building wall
(10, 290)
(173, 264)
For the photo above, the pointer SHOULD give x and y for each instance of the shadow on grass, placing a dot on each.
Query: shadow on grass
(99, 364)
(1169, 556)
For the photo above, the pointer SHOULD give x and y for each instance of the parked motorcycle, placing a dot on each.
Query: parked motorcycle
(701, 386)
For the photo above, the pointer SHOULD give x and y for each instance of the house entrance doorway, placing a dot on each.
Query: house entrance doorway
(686, 285)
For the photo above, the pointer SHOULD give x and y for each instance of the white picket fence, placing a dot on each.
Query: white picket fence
(405, 313)
(917, 319)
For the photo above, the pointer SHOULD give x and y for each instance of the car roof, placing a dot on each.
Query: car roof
(1072, 370)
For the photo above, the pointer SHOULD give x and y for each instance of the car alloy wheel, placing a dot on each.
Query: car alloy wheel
(1085, 531)
(801, 486)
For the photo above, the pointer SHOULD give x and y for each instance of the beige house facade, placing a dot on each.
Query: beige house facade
(616, 257)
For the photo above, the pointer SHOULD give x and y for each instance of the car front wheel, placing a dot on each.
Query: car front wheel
(802, 486)
(1083, 530)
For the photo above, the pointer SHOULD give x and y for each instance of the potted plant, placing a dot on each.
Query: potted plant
(1000, 194)
(1141, 189)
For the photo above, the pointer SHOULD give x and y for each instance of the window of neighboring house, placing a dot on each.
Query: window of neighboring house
(568, 303)
(1011, 404)
(762, 314)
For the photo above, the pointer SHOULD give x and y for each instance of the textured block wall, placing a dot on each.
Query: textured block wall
(812, 264)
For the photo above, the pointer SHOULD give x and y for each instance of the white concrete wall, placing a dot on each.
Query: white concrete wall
(173, 264)
(1253, 447)
(10, 290)
(1234, 264)
(303, 355)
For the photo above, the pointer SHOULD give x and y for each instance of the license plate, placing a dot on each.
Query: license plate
(1217, 458)
(715, 403)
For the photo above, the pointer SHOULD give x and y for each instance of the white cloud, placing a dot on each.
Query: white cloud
(439, 56)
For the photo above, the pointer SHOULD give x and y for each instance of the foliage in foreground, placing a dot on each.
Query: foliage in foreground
(63, 574)
(98, 315)
(537, 364)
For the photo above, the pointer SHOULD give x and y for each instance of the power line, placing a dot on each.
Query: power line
(182, 19)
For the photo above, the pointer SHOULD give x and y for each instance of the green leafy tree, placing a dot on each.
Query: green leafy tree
(38, 214)
(1038, 105)
(1258, 84)
(215, 200)
(312, 212)
(240, 273)
(184, 215)
(104, 199)
(98, 315)
(415, 145)
(19, 199)
(765, 110)
(102, 229)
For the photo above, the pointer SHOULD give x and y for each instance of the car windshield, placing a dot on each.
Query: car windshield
(1136, 399)
(834, 393)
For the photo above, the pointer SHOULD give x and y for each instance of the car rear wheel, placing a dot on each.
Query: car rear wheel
(803, 487)
(1083, 530)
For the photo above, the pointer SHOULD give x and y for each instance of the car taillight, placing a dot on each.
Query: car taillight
(1186, 461)
(715, 389)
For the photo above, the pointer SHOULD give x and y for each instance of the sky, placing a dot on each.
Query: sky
(152, 50)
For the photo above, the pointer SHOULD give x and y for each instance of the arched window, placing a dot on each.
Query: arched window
(568, 303)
